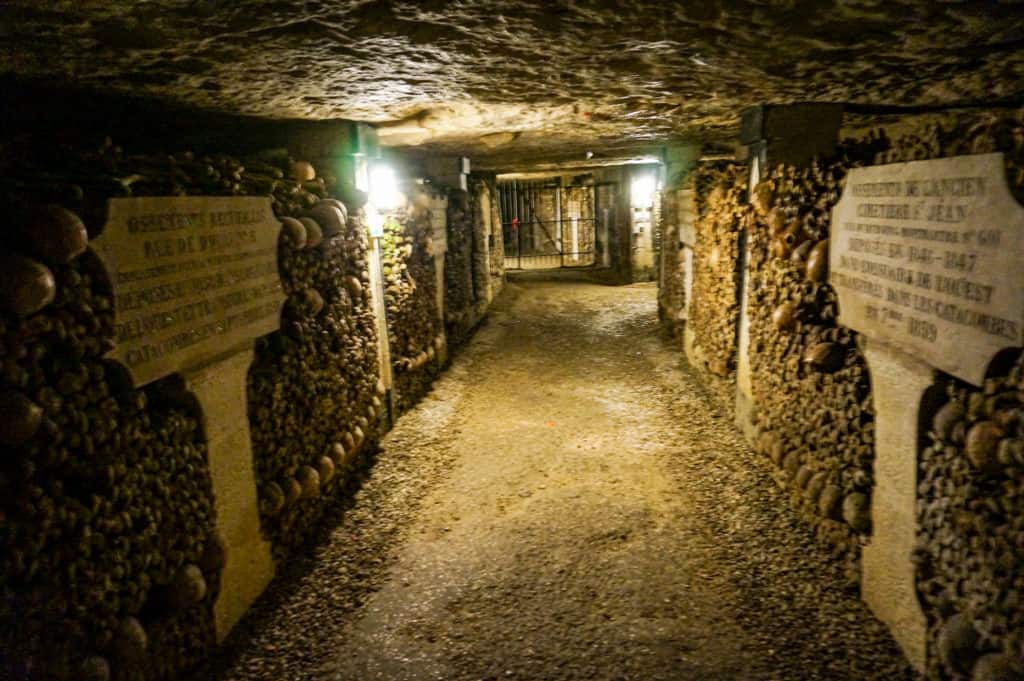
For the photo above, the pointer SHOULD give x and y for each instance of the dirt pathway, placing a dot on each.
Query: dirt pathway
(566, 505)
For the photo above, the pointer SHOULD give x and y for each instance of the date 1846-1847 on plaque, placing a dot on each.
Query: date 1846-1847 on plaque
(927, 256)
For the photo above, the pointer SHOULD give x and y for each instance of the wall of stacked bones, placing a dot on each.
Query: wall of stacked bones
(970, 551)
(474, 263)
(672, 288)
(812, 393)
(109, 561)
(811, 385)
(314, 394)
(489, 253)
(463, 289)
(415, 329)
(721, 218)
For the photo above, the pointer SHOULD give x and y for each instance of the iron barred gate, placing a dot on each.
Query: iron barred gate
(546, 225)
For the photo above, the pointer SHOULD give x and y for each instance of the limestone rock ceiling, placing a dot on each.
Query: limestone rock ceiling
(503, 80)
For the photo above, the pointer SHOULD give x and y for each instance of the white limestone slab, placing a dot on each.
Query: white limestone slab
(194, 278)
(380, 313)
(929, 256)
(898, 382)
(686, 216)
(744, 379)
(220, 388)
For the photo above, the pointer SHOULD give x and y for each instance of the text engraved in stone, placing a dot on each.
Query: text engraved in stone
(194, 279)
(439, 225)
(687, 214)
(927, 256)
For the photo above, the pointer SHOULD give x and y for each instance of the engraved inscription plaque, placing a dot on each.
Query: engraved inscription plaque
(929, 256)
(438, 224)
(194, 279)
(687, 215)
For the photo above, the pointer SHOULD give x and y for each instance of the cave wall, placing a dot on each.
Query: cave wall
(722, 215)
(111, 561)
(411, 289)
(676, 255)
(314, 391)
(474, 263)
(970, 511)
(812, 412)
(677, 215)
(810, 382)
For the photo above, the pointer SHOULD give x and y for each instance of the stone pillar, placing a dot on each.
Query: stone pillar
(380, 315)
(898, 384)
(679, 161)
(482, 255)
(221, 391)
(793, 134)
(622, 225)
(439, 235)
(745, 408)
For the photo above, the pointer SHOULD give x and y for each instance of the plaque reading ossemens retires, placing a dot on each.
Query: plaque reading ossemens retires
(194, 279)
(928, 256)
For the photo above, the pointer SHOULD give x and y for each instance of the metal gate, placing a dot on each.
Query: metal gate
(546, 225)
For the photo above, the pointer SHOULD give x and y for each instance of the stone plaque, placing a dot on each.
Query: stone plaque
(686, 216)
(194, 278)
(928, 256)
(439, 224)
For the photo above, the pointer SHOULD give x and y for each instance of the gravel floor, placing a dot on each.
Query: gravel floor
(566, 504)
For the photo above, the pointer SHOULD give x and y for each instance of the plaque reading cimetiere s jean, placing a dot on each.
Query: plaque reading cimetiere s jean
(928, 256)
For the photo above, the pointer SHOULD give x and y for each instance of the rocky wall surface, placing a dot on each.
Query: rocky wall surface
(410, 295)
(672, 289)
(532, 79)
(109, 560)
(970, 553)
(489, 256)
(811, 385)
(460, 283)
(315, 396)
(722, 216)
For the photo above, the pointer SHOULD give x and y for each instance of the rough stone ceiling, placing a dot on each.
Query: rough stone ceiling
(502, 80)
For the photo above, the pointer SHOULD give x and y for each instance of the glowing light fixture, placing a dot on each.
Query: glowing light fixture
(384, 193)
(641, 192)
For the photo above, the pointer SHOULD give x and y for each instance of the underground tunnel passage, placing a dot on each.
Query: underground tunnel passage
(533, 340)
